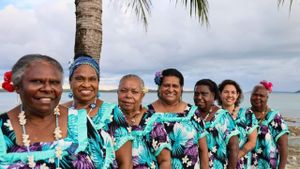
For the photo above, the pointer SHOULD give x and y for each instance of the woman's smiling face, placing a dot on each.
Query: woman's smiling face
(41, 87)
(84, 84)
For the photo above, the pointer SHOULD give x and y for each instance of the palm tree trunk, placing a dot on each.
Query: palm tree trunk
(88, 38)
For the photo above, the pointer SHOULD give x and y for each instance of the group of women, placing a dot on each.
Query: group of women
(87, 132)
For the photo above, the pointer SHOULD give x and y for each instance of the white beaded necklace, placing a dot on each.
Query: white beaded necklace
(25, 137)
(207, 115)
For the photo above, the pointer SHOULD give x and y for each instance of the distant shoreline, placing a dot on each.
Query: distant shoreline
(154, 90)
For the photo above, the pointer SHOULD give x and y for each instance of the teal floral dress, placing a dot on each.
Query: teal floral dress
(150, 138)
(265, 154)
(75, 148)
(220, 129)
(184, 130)
(246, 123)
(111, 120)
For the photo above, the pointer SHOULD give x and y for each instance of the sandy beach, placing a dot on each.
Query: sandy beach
(294, 148)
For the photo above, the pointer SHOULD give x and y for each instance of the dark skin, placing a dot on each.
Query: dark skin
(130, 97)
(203, 153)
(233, 149)
(84, 84)
(40, 90)
(124, 161)
(170, 93)
(283, 151)
(204, 98)
(259, 100)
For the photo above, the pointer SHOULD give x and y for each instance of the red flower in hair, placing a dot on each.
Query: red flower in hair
(267, 85)
(7, 84)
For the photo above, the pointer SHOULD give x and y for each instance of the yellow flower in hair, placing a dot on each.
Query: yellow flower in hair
(145, 90)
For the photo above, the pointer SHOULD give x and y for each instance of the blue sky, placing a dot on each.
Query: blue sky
(246, 41)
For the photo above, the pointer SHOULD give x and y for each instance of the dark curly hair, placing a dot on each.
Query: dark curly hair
(211, 85)
(237, 87)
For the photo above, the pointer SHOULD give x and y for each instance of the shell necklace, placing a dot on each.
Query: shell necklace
(25, 137)
(207, 115)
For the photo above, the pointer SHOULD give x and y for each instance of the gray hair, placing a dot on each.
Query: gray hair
(24, 62)
(133, 76)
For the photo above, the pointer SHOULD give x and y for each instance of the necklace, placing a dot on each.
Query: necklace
(233, 113)
(25, 137)
(132, 119)
(207, 115)
(91, 106)
(261, 114)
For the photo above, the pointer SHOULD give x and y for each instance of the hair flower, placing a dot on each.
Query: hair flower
(267, 85)
(157, 78)
(145, 90)
(7, 84)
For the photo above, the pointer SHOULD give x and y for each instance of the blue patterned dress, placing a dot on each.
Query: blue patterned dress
(75, 149)
(111, 120)
(184, 130)
(265, 154)
(246, 123)
(220, 129)
(150, 138)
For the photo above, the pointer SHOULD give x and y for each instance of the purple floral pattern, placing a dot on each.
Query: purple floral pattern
(265, 153)
(70, 159)
(220, 129)
(184, 131)
(246, 123)
(150, 138)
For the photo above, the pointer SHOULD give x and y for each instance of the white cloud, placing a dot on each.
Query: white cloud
(246, 41)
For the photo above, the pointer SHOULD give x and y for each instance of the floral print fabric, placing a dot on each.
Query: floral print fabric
(111, 119)
(74, 147)
(220, 129)
(150, 138)
(246, 123)
(265, 154)
(184, 131)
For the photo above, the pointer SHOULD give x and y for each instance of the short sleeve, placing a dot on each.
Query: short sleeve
(226, 126)
(251, 122)
(199, 125)
(118, 129)
(278, 127)
(159, 139)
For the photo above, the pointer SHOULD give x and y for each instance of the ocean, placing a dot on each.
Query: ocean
(286, 103)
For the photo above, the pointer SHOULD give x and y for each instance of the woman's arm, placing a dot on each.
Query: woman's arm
(232, 149)
(249, 145)
(124, 156)
(203, 153)
(164, 159)
(283, 150)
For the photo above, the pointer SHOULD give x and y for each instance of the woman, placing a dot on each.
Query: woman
(84, 83)
(151, 146)
(272, 141)
(184, 128)
(230, 98)
(37, 133)
(222, 137)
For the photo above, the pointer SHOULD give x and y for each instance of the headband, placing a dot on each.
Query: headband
(84, 60)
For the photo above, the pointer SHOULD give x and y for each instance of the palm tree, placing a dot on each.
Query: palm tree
(88, 38)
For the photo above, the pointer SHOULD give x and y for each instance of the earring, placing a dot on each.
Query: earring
(70, 95)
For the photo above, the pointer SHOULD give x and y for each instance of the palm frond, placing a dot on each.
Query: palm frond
(198, 8)
(281, 2)
(141, 9)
